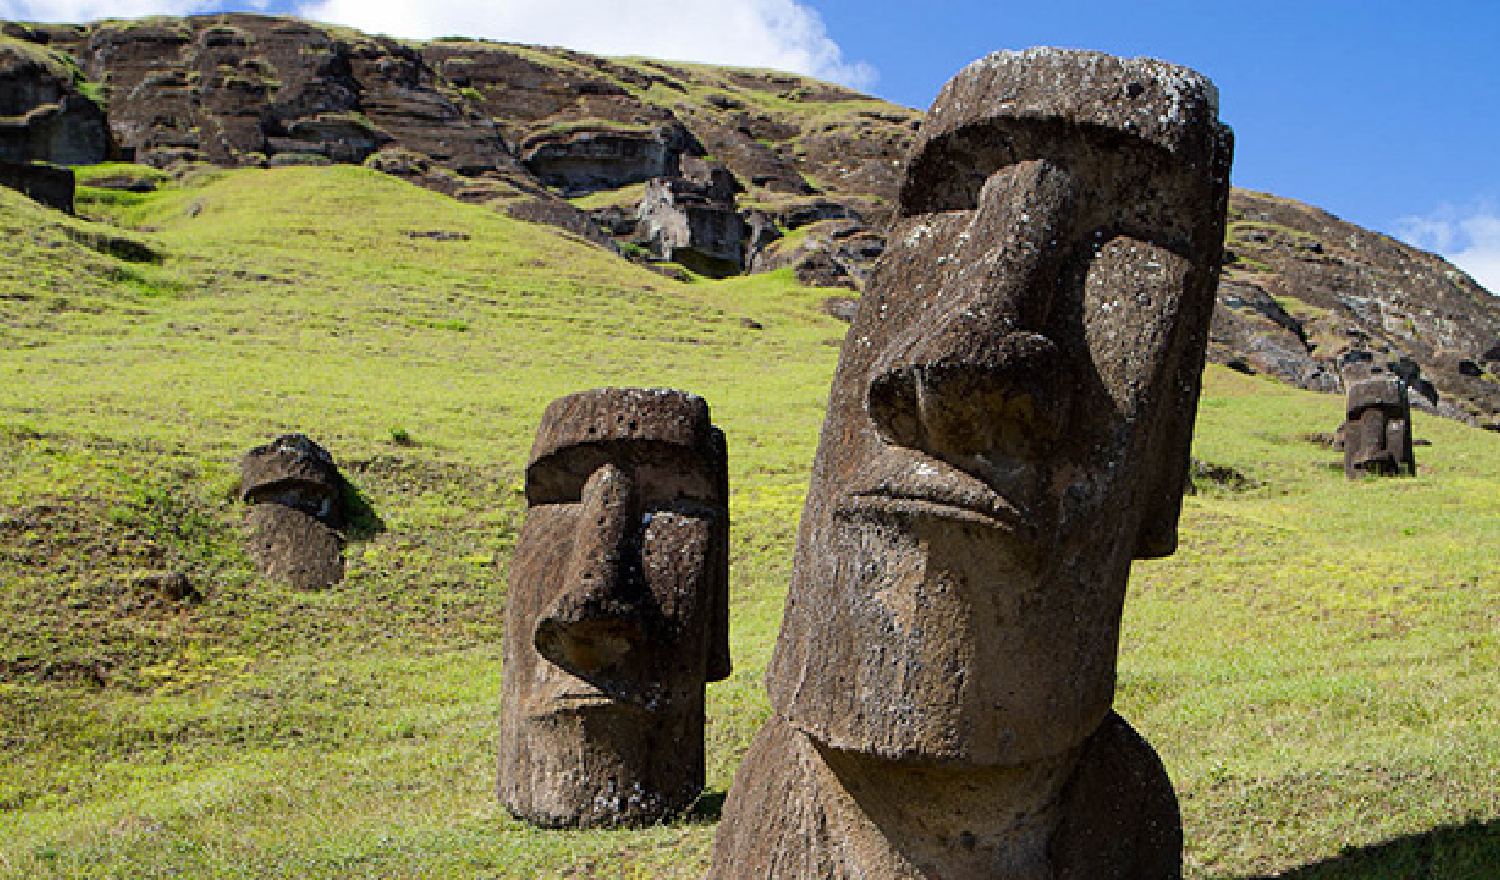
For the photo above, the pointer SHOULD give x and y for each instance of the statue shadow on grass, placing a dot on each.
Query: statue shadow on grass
(706, 809)
(1470, 851)
(361, 522)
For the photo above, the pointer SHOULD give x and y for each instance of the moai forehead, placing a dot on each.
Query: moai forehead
(1383, 392)
(1135, 135)
(293, 471)
(666, 433)
(291, 461)
(1170, 107)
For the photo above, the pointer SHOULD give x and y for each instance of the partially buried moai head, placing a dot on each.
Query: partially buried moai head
(1010, 420)
(1377, 429)
(617, 610)
(296, 497)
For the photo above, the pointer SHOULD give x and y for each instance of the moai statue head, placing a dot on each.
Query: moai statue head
(617, 612)
(297, 496)
(293, 471)
(1010, 421)
(1377, 429)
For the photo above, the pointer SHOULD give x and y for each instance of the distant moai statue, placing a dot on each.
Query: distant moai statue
(296, 493)
(1008, 428)
(618, 610)
(1377, 429)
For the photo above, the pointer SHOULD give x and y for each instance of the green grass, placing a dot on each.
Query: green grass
(1315, 665)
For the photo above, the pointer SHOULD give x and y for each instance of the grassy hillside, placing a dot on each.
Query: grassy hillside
(1316, 666)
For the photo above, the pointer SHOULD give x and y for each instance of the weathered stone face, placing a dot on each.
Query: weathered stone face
(1377, 430)
(1008, 428)
(617, 610)
(297, 493)
(1010, 420)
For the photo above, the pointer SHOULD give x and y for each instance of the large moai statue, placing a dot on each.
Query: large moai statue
(297, 496)
(618, 610)
(1377, 429)
(1008, 428)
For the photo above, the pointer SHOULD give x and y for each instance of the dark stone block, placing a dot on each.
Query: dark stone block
(46, 184)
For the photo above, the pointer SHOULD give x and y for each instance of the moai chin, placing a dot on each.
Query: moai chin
(296, 493)
(1377, 429)
(1008, 429)
(617, 612)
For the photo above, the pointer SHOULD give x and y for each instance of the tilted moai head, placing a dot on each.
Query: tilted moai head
(1010, 421)
(297, 496)
(617, 612)
(1377, 429)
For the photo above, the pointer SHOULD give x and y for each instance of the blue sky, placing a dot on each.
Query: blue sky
(1384, 113)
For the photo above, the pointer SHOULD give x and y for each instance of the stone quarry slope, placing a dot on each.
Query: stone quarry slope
(526, 128)
(1307, 298)
(719, 169)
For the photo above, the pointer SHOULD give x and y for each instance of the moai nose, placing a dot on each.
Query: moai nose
(950, 389)
(1003, 402)
(597, 620)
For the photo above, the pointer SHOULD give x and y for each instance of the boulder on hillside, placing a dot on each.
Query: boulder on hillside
(553, 211)
(830, 253)
(1252, 331)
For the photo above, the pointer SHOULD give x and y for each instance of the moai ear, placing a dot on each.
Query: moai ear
(1158, 533)
(1169, 462)
(719, 665)
(1169, 455)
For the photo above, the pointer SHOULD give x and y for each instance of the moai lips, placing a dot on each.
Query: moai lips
(296, 493)
(1008, 428)
(618, 610)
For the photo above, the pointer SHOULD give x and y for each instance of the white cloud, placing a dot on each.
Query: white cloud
(783, 34)
(79, 11)
(1468, 237)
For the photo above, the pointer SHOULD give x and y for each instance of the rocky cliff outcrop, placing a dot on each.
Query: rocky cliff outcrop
(522, 127)
(45, 115)
(692, 219)
(606, 148)
(1314, 301)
